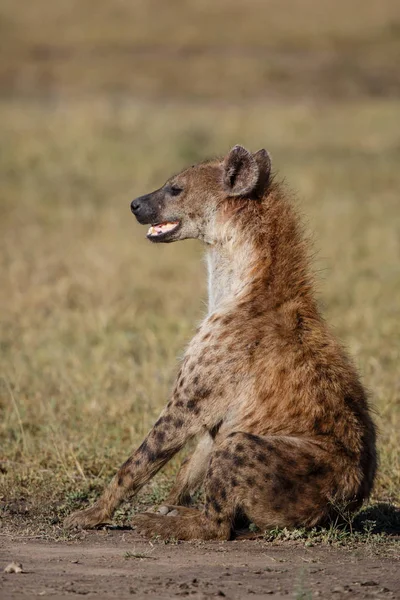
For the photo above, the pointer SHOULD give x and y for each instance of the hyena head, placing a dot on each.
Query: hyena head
(191, 204)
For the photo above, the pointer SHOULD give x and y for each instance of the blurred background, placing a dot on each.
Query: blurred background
(101, 100)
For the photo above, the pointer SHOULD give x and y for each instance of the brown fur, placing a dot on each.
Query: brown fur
(285, 433)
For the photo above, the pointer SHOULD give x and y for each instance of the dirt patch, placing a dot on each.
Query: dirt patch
(120, 564)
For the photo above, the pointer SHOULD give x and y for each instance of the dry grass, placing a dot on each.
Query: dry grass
(201, 49)
(93, 316)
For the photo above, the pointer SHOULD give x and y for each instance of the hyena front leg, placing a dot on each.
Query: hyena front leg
(169, 434)
(191, 473)
(183, 418)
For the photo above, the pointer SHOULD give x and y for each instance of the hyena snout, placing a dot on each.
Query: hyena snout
(146, 209)
(151, 210)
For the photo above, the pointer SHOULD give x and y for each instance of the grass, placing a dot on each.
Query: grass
(101, 102)
(93, 317)
(201, 50)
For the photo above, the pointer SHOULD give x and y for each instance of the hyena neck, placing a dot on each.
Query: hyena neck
(264, 261)
(223, 278)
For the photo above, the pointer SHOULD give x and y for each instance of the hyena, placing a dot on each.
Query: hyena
(284, 429)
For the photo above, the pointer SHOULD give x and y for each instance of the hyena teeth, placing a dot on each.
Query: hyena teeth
(160, 228)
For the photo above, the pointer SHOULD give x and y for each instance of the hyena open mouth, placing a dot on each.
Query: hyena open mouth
(161, 230)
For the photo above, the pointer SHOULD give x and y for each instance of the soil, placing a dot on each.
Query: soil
(120, 564)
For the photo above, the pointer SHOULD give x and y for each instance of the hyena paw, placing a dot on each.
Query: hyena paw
(86, 519)
(156, 525)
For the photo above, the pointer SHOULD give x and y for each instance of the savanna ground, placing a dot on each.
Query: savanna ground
(100, 105)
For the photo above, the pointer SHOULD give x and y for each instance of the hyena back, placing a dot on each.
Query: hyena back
(283, 424)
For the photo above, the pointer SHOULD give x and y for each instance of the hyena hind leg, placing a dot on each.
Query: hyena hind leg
(274, 482)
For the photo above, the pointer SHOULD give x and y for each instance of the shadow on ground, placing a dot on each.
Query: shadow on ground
(380, 518)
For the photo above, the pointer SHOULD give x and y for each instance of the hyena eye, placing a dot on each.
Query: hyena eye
(175, 190)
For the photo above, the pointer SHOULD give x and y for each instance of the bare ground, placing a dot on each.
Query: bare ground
(120, 564)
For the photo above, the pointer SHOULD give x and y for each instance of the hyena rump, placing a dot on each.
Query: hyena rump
(283, 424)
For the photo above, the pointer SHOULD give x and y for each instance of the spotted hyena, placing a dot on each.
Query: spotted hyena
(283, 424)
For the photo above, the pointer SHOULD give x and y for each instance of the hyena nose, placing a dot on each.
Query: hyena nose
(135, 206)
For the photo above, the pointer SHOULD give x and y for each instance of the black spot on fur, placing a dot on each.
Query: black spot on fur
(178, 423)
(191, 405)
(159, 436)
(239, 461)
(316, 469)
(255, 439)
(283, 483)
(216, 506)
(234, 482)
(143, 447)
(203, 393)
(250, 481)
(127, 463)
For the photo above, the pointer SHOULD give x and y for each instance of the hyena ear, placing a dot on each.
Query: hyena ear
(263, 159)
(241, 172)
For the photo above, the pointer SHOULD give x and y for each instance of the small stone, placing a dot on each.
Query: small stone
(368, 583)
(163, 510)
(173, 513)
(13, 567)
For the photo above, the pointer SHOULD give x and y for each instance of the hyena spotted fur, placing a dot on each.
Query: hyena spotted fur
(283, 424)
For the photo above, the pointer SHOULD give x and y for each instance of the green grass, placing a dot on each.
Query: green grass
(93, 317)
